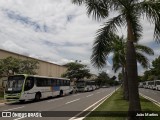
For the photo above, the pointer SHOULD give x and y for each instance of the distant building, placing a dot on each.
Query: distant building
(45, 68)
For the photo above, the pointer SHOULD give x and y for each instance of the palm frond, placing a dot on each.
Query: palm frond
(103, 41)
(150, 10)
(144, 62)
(116, 67)
(117, 63)
(101, 49)
(144, 49)
(98, 9)
(111, 25)
(79, 2)
(136, 26)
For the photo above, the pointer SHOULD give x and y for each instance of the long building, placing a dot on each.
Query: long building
(45, 68)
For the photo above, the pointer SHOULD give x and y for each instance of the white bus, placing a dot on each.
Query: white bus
(145, 84)
(84, 85)
(157, 84)
(151, 84)
(32, 87)
(93, 84)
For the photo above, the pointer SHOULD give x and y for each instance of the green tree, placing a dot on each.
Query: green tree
(129, 14)
(28, 67)
(120, 77)
(77, 70)
(11, 66)
(103, 79)
(156, 67)
(154, 72)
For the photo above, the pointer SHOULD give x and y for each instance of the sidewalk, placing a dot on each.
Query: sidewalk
(2, 101)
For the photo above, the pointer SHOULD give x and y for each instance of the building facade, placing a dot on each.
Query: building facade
(45, 68)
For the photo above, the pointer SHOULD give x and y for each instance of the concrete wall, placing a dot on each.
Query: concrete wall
(45, 68)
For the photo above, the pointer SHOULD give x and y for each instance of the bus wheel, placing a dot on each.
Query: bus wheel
(37, 96)
(87, 89)
(71, 92)
(61, 93)
(21, 101)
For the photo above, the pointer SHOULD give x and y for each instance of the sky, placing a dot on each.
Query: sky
(56, 31)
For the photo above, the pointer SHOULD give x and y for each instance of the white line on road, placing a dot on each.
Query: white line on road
(89, 95)
(14, 108)
(96, 106)
(54, 100)
(72, 101)
(152, 100)
(98, 92)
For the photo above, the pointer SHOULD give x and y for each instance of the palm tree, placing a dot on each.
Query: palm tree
(118, 47)
(129, 14)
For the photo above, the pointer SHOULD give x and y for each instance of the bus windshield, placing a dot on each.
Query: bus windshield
(14, 84)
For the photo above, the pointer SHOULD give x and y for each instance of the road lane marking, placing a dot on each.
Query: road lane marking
(89, 95)
(72, 101)
(54, 100)
(81, 118)
(14, 108)
(101, 100)
(96, 106)
(97, 92)
(150, 99)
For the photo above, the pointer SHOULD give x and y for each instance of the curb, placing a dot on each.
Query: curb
(150, 99)
(1, 104)
(98, 104)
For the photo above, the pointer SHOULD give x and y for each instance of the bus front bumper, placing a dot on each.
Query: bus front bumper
(12, 97)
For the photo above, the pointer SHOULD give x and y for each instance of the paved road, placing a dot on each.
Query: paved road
(75, 102)
(154, 94)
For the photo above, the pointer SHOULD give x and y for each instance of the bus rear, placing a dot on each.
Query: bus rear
(14, 88)
(81, 85)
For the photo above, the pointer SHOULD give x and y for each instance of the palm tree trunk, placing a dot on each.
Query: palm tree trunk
(123, 82)
(125, 85)
(134, 101)
(126, 96)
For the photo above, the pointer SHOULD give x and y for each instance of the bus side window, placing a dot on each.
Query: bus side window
(64, 83)
(57, 82)
(53, 82)
(68, 83)
(61, 82)
(29, 83)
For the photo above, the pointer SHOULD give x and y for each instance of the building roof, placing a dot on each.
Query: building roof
(29, 57)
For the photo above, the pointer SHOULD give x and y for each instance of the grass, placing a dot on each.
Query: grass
(116, 103)
(1, 94)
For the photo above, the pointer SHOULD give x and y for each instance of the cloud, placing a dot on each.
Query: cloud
(25, 21)
(54, 30)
